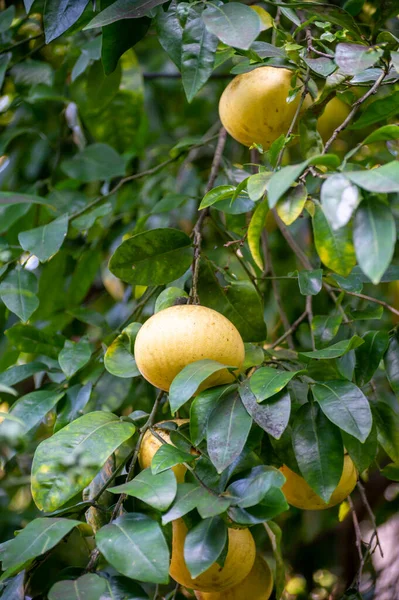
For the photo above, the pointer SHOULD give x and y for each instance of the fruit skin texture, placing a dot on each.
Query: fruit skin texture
(298, 493)
(151, 444)
(239, 561)
(334, 114)
(253, 106)
(258, 585)
(177, 336)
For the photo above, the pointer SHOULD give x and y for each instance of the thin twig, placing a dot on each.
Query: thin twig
(197, 230)
(370, 299)
(358, 536)
(24, 41)
(363, 495)
(291, 330)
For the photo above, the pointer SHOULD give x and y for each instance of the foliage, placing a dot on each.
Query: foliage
(110, 211)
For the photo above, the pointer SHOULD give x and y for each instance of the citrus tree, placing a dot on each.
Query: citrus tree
(199, 299)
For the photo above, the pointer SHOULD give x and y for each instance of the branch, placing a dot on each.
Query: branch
(370, 299)
(161, 75)
(197, 230)
(293, 327)
(366, 503)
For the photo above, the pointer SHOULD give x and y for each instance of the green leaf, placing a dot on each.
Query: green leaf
(18, 292)
(254, 356)
(123, 9)
(335, 350)
(362, 453)
(83, 276)
(255, 229)
(354, 58)
(210, 505)
(68, 461)
(221, 192)
(291, 205)
(33, 407)
(18, 373)
(74, 356)
(281, 181)
(204, 544)
(39, 536)
(89, 587)
(325, 328)
(95, 163)
(266, 382)
(234, 24)
(388, 428)
(381, 180)
(391, 361)
(186, 383)
(73, 405)
(391, 471)
(6, 18)
(198, 52)
(158, 491)
(370, 312)
(201, 409)
(374, 236)
(135, 535)
(339, 199)
(84, 222)
(186, 500)
(60, 15)
(11, 214)
(168, 297)
(272, 416)
(4, 62)
(275, 534)
(377, 111)
(318, 450)
(310, 282)
(167, 457)
(252, 490)
(346, 406)
(27, 338)
(119, 359)
(239, 302)
(170, 33)
(227, 431)
(391, 274)
(257, 184)
(334, 247)
(383, 134)
(153, 257)
(369, 355)
(45, 241)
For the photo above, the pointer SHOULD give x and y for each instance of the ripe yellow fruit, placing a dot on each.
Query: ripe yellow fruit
(151, 444)
(254, 107)
(239, 561)
(298, 493)
(177, 336)
(334, 114)
(258, 585)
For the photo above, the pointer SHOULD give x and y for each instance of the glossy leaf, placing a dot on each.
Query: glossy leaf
(96, 162)
(227, 432)
(339, 199)
(158, 491)
(381, 180)
(318, 450)
(310, 282)
(335, 350)
(369, 355)
(252, 490)
(266, 382)
(186, 500)
(334, 247)
(89, 587)
(74, 356)
(234, 24)
(66, 462)
(33, 407)
(374, 237)
(18, 292)
(18, 373)
(168, 297)
(325, 328)
(391, 361)
(221, 192)
(255, 229)
(204, 544)
(123, 9)
(119, 359)
(291, 205)
(153, 257)
(170, 32)
(362, 453)
(135, 546)
(387, 421)
(201, 409)
(382, 108)
(167, 457)
(272, 416)
(354, 58)
(60, 15)
(45, 241)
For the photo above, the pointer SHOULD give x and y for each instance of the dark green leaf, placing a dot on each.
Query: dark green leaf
(204, 544)
(227, 432)
(210, 505)
(362, 453)
(18, 373)
(33, 407)
(167, 298)
(346, 406)
(135, 546)
(369, 355)
(36, 538)
(83, 276)
(167, 457)
(370, 312)
(27, 338)
(45, 241)
(18, 292)
(73, 405)
(335, 350)
(74, 356)
(200, 410)
(334, 248)
(4, 62)
(391, 361)
(266, 382)
(391, 471)
(310, 282)
(383, 108)
(60, 15)
(94, 163)
(153, 257)
(339, 199)
(234, 24)
(186, 500)
(272, 416)
(374, 236)
(388, 429)
(254, 356)
(381, 180)
(318, 450)
(221, 192)
(251, 490)
(89, 587)
(66, 462)
(170, 32)
(158, 491)
(325, 328)
(123, 9)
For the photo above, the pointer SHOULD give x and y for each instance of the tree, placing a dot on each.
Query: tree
(122, 197)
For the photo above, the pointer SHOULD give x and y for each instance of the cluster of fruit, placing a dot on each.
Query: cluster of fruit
(166, 343)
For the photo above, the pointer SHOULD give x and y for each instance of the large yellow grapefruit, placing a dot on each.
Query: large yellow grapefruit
(254, 107)
(258, 585)
(239, 561)
(177, 336)
(334, 114)
(151, 444)
(298, 493)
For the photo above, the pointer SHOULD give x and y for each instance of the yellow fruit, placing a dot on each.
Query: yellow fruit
(334, 114)
(254, 107)
(300, 494)
(151, 444)
(177, 336)
(239, 561)
(258, 585)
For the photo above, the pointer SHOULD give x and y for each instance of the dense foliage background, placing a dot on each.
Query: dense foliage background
(109, 128)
